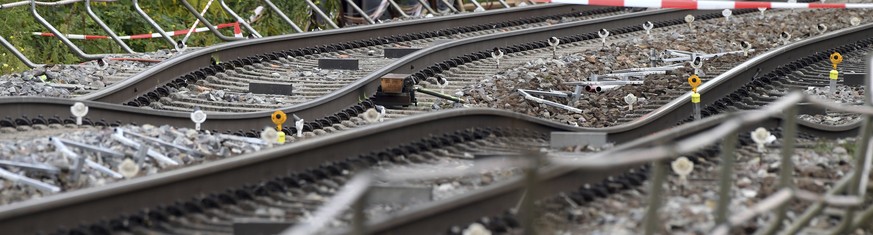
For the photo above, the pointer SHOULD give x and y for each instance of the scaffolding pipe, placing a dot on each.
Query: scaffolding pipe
(106, 28)
(360, 11)
(206, 22)
(17, 53)
(154, 25)
(78, 52)
(283, 16)
(239, 19)
(321, 14)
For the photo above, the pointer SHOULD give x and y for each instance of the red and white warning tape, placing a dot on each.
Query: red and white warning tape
(237, 32)
(709, 5)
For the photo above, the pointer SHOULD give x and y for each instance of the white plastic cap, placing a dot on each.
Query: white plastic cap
(689, 18)
(79, 109)
(198, 116)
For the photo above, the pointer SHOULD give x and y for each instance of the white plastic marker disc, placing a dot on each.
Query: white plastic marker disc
(198, 116)
(855, 21)
(689, 19)
(727, 13)
(79, 109)
(553, 41)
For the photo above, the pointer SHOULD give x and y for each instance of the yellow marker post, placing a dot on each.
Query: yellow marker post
(694, 81)
(279, 118)
(836, 59)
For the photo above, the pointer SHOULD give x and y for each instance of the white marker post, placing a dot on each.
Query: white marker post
(554, 42)
(697, 63)
(727, 15)
(821, 28)
(855, 21)
(689, 19)
(746, 47)
(497, 53)
(648, 26)
(785, 37)
(198, 117)
(79, 110)
(603, 33)
(630, 99)
(299, 125)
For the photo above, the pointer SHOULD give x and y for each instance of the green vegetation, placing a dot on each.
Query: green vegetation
(16, 25)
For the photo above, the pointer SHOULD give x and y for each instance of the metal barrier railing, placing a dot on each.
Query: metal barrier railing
(76, 50)
(853, 185)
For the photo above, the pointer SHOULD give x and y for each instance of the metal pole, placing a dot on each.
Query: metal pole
(659, 174)
(360, 11)
(106, 28)
(786, 169)
(399, 9)
(239, 19)
(478, 6)
(206, 22)
(725, 177)
(283, 16)
(59, 35)
(18, 54)
(321, 14)
(426, 6)
(449, 4)
(861, 164)
(505, 5)
(154, 25)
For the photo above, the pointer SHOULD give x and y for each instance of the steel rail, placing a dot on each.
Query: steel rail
(92, 205)
(350, 95)
(495, 199)
(179, 66)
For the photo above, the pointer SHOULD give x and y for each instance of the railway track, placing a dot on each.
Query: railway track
(88, 206)
(783, 63)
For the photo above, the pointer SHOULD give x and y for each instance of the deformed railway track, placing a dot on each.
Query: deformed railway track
(128, 204)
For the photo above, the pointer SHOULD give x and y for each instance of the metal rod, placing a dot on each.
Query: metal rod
(815, 208)
(196, 22)
(154, 25)
(786, 168)
(426, 6)
(283, 16)
(119, 136)
(659, 174)
(861, 164)
(527, 210)
(106, 28)
(239, 19)
(449, 4)
(478, 6)
(206, 22)
(348, 194)
(438, 94)
(78, 52)
(18, 54)
(728, 147)
(91, 148)
(165, 143)
(358, 9)
(398, 8)
(321, 14)
(505, 5)
(58, 3)
(28, 181)
(31, 166)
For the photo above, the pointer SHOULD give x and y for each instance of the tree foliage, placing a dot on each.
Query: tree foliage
(17, 24)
